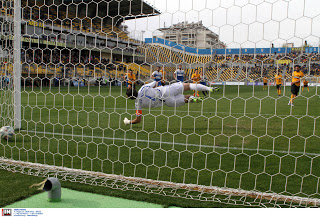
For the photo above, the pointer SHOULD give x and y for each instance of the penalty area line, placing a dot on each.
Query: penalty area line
(174, 143)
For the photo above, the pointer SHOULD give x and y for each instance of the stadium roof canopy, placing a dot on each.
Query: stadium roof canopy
(118, 10)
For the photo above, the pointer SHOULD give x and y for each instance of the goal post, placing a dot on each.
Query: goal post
(65, 71)
(16, 74)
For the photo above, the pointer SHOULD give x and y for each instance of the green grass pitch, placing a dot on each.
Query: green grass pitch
(240, 137)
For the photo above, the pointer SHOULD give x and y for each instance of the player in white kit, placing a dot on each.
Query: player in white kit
(169, 95)
(157, 76)
(179, 74)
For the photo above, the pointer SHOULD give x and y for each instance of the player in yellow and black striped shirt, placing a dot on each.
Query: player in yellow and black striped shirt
(196, 80)
(305, 84)
(131, 80)
(297, 75)
(163, 80)
(278, 81)
(265, 83)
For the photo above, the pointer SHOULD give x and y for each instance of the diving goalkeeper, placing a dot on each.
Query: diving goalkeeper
(169, 95)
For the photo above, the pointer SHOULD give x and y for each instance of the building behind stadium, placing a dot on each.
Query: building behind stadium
(192, 35)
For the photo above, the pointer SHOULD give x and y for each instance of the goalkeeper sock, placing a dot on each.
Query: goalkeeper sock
(199, 87)
(292, 98)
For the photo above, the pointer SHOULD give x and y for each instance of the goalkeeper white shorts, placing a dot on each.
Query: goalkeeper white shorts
(172, 94)
(175, 101)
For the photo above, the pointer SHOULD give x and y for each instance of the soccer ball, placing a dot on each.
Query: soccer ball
(6, 132)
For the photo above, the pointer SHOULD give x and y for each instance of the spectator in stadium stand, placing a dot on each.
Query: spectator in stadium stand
(110, 81)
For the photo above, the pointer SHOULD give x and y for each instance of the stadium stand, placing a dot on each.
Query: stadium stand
(156, 54)
(243, 74)
(229, 74)
(212, 73)
(270, 71)
(255, 73)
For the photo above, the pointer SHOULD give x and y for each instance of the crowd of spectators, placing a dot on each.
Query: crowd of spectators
(66, 57)
(315, 69)
(296, 56)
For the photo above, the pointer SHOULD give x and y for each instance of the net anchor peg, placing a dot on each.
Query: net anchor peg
(53, 187)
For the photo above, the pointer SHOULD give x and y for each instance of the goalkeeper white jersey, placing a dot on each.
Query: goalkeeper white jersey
(148, 97)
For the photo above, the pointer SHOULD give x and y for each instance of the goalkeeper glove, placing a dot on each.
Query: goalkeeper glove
(214, 89)
(126, 121)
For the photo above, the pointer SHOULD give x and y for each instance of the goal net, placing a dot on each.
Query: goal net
(64, 77)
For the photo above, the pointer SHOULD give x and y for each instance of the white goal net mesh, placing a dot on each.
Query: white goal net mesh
(243, 145)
